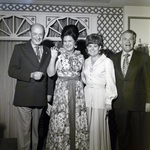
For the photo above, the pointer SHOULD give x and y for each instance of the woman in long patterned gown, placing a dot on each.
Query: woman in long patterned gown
(68, 129)
(99, 77)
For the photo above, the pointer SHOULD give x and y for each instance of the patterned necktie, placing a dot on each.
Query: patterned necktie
(125, 64)
(38, 54)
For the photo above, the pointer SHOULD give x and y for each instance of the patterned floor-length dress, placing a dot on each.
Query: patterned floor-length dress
(63, 120)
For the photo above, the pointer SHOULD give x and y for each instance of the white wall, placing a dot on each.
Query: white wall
(139, 22)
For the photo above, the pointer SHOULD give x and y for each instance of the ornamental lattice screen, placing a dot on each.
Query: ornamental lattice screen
(109, 19)
(16, 27)
(111, 26)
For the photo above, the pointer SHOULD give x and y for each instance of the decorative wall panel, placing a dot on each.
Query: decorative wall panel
(111, 26)
(109, 20)
(15, 26)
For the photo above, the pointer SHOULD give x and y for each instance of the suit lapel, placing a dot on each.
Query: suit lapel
(45, 55)
(132, 63)
(31, 54)
(118, 65)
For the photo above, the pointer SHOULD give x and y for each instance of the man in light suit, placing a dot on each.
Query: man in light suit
(29, 68)
(133, 99)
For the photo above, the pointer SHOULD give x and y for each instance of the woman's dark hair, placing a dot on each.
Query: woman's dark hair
(70, 30)
(94, 39)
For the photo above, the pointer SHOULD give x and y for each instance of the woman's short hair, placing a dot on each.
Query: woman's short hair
(94, 39)
(71, 30)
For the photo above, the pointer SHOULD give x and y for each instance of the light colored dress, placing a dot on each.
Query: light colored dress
(68, 126)
(100, 90)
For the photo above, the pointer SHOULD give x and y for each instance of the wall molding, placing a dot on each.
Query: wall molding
(109, 19)
(60, 8)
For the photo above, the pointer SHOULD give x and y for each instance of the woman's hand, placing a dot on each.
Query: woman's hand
(54, 52)
(108, 107)
(62, 50)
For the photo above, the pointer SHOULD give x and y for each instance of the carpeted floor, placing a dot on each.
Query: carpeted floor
(8, 144)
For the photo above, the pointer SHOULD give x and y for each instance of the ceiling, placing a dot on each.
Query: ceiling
(107, 3)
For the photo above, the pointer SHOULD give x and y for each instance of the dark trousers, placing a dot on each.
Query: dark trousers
(132, 130)
(43, 129)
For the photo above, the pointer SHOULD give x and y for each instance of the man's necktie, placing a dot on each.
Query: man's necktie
(125, 64)
(38, 54)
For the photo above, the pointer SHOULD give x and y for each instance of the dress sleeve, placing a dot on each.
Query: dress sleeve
(50, 85)
(111, 90)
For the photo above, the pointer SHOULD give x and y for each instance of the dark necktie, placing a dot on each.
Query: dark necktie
(38, 54)
(125, 64)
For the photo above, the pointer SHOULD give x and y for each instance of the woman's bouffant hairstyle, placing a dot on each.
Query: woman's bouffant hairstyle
(70, 30)
(94, 39)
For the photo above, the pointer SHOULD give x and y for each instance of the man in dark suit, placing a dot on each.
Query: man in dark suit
(132, 70)
(28, 65)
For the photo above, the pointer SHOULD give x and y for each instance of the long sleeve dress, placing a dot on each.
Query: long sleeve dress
(100, 90)
(68, 126)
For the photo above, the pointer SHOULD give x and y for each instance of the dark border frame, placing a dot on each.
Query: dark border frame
(132, 17)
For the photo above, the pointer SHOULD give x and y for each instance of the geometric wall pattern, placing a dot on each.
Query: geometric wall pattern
(17, 27)
(109, 21)
(111, 26)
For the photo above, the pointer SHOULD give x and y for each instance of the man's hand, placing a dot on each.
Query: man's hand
(48, 110)
(36, 75)
(49, 98)
(147, 107)
(49, 106)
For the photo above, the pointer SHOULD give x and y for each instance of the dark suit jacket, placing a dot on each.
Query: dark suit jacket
(134, 89)
(29, 92)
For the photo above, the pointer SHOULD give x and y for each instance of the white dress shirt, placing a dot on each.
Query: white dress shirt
(40, 49)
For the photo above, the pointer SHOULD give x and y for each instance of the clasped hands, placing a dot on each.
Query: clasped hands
(37, 75)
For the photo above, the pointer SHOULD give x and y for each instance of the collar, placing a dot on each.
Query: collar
(34, 46)
(123, 53)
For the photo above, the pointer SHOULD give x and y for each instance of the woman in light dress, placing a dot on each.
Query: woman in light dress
(100, 89)
(68, 126)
